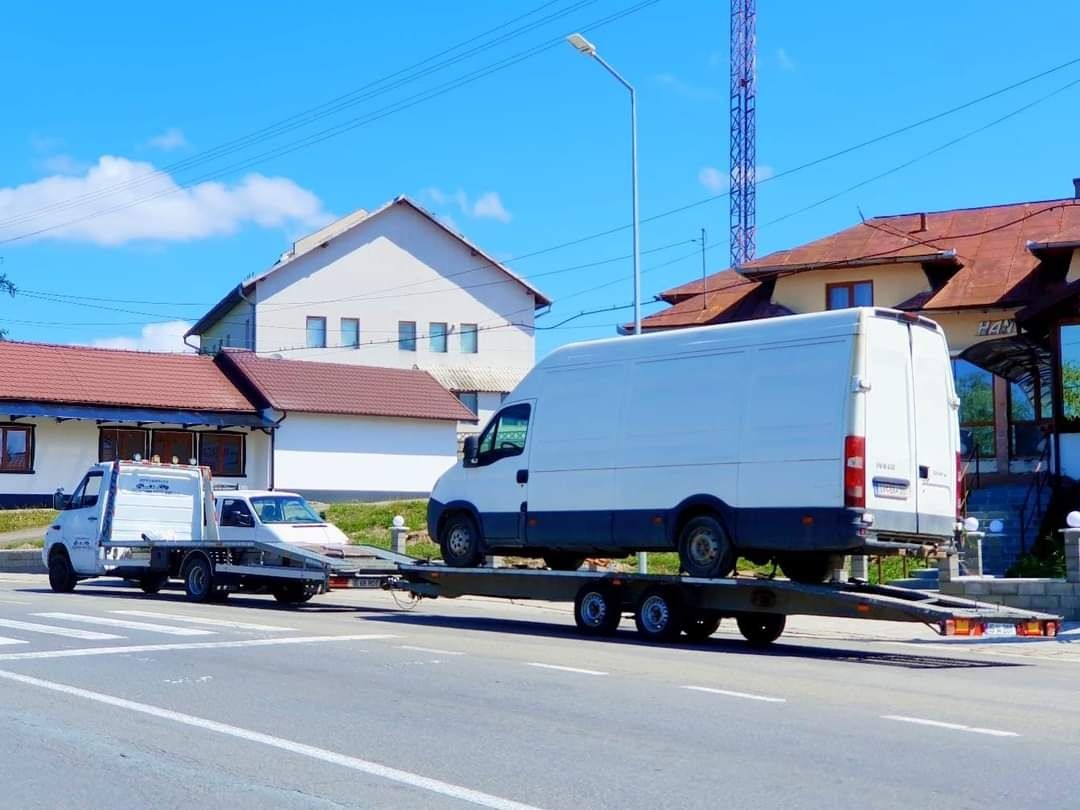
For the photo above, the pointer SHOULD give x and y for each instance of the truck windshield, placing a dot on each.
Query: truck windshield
(284, 509)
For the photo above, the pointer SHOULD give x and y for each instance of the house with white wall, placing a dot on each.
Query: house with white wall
(396, 288)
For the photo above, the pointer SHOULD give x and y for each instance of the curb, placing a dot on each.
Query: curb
(22, 561)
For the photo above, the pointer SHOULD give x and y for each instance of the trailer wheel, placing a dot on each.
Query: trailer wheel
(597, 610)
(294, 593)
(705, 549)
(459, 541)
(62, 577)
(659, 614)
(153, 583)
(699, 626)
(198, 579)
(761, 628)
(563, 561)
(808, 568)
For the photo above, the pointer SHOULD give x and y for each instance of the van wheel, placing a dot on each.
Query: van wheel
(705, 549)
(459, 541)
(761, 628)
(198, 579)
(563, 562)
(597, 610)
(153, 583)
(699, 626)
(61, 575)
(659, 614)
(809, 569)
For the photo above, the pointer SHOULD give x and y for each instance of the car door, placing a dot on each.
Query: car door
(237, 521)
(498, 476)
(84, 521)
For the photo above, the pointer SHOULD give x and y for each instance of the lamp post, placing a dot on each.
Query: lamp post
(588, 49)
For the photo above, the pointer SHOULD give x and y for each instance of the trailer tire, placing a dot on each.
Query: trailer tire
(153, 583)
(699, 626)
(198, 579)
(293, 593)
(597, 609)
(659, 614)
(62, 577)
(459, 540)
(761, 629)
(808, 568)
(563, 561)
(705, 550)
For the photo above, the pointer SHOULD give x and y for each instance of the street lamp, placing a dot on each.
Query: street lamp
(585, 47)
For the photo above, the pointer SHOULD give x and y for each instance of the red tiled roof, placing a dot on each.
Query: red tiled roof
(342, 388)
(726, 290)
(43, 372)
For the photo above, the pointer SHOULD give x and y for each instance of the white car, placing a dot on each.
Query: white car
(273, 516)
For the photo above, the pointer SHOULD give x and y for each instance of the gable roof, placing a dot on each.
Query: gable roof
(726, 291)
(340, 388)
(336, 229)
(82, 375)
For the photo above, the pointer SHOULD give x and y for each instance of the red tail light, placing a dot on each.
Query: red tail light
(855, 472)
(959, 486)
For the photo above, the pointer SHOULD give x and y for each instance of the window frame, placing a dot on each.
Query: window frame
(406, 344)
(356, 344)
(101, 441)
(444, 335)
(194, 454)
(469, 329)
(495, 454)
(850, 287)
(243, 452)
(31, 446)
(307, 331)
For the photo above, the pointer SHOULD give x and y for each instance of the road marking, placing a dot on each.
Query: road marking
(190, 645)
(147, 626)
(993, 732)
(53, 630)
(729, 693)
(566, 669)
(150, 614)
(429, 650)
(5, 641)
(414, 780)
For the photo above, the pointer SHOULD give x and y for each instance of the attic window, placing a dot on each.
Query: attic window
(849, 294)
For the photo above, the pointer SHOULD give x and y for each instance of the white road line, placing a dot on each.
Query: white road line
(354, 763)
(5, 641)
(176, 617)
(993, 732)
(566, 669)
(190, 645)
(53, 630)
(428, 650)
(729, 693)
(145, 626)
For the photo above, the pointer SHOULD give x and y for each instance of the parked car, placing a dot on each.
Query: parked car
(251, 514)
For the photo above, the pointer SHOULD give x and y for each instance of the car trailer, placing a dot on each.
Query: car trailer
(665, 606)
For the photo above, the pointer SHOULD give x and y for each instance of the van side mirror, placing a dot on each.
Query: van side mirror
(60, 501)
(244, 520)
(470, 450)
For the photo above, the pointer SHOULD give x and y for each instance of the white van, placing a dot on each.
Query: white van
(791, 439)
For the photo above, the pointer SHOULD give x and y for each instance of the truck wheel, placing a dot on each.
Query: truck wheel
(562, 561)
(198, 579)
(153, 583)
(61, 575)
(808, 569)
(699, 626)
(761, 628)
(704, 548)
(460, 542)
(597, 610)
(293, 593)
(659, 614)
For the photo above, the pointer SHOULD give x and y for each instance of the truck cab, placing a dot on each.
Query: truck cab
(273, 516)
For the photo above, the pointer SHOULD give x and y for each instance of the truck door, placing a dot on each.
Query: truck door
(82, 523)
(235, 521)
(936, 433)
(498, 479)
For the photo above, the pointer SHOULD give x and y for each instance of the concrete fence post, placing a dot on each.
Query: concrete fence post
(1072, 555)
(860, 567)
(399, 532)
(973, 553)
(948, 568)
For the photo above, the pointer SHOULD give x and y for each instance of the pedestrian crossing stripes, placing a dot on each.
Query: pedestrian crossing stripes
(222, 623)
(126, 624)
(5, 641)
(53, 630)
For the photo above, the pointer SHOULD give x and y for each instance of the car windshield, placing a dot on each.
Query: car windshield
(284, 509)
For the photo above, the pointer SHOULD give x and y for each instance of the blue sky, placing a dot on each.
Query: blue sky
(531, 156)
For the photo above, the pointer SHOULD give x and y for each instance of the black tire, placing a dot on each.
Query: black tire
(198, 579)
(761, 629)
(293, 593)
(810, 568)
(597, 609)
(705, 550)
(659, 614)
(459, 540)
(153, 583)
(563, 561)
(699, 626)
(62, 577)
(219, 595)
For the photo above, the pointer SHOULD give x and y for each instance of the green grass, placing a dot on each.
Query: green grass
(369, 524)
(21, 544)
(12, 520)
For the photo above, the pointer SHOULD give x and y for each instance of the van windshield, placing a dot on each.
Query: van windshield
(284, 509)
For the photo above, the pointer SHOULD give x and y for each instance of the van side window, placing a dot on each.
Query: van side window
(234, 512)
(505, 436)
(86, 493)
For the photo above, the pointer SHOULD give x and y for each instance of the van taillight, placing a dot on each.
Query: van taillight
(855, 472)
(960, 493)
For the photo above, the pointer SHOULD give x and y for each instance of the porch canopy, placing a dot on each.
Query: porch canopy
(63, 411)
(1021, 359)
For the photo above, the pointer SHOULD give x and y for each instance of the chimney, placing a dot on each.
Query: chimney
(1076, 187)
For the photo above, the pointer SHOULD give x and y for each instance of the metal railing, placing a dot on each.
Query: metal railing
(1031, 511)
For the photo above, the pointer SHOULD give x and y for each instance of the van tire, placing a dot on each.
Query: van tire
(62, 577)
(808, 568)
(705, 550)
(198, 579)
(659, 614)
(153, 583)
(761, 628)
(459, 540)
(699, 626)
(563, 561)
(597, 610)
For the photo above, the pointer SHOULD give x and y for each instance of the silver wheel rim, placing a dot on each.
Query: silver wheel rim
(459, 541)
(703, 547)
(197, 578)
(655, 614)
(594, 609)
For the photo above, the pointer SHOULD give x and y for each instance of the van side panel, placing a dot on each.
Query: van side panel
(936, 435)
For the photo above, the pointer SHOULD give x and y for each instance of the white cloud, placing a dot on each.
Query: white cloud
(717, 181)
(169, 140)
(62, 164)
(786, 62)
(167, 336)
(686, 89)
(130, 201)
(488, 205)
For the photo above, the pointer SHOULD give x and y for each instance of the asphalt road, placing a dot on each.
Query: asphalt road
(113, 699)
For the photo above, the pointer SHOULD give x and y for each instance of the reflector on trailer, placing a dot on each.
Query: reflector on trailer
(1037, 628)
(962, 627)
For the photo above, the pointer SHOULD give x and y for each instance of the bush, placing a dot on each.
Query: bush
(1032, 565)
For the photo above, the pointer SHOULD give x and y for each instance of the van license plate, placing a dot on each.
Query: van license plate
(889, 490)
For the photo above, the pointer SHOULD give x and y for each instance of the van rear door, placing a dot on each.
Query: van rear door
(936, 431)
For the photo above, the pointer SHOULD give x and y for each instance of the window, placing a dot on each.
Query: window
(849, 294)
(86, 493)
(505, 436)
(173, 444)
(1026, 412)
(406, 336)
(234, 512)
(468, 338)
(316, 333)
(469, 400)
(121, 443)
(16, 449)
(350, 332)
(284, 509)
(437, 335)
(975, 387)
(223, 453)
(1070, 371)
